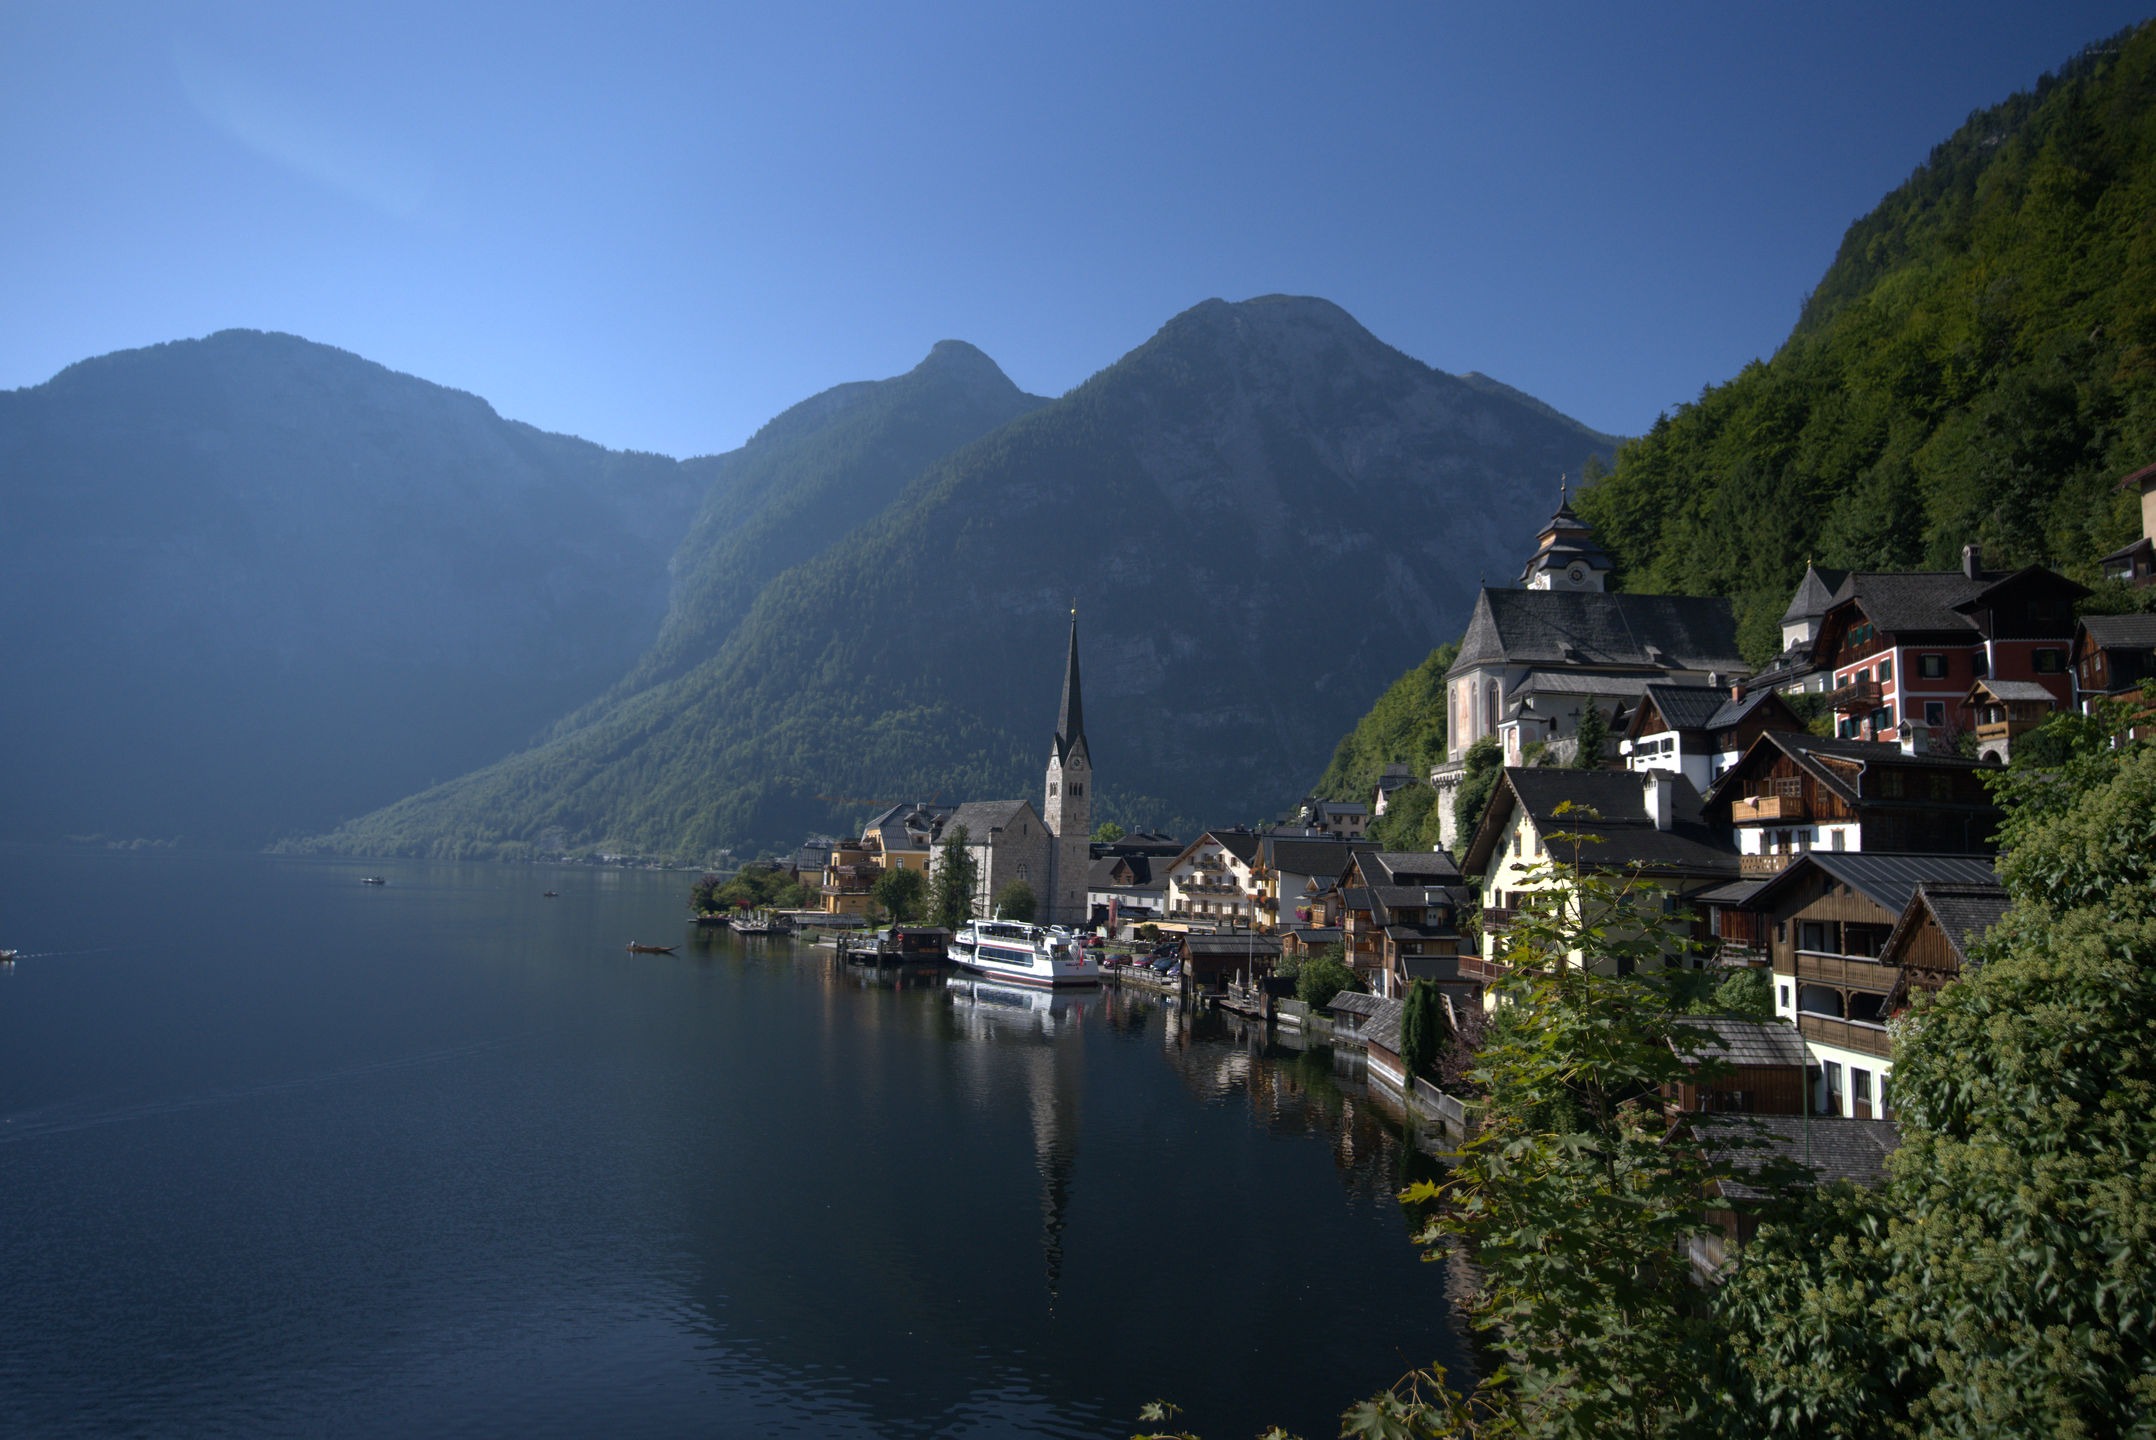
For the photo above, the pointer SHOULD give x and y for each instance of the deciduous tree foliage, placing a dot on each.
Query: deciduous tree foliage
(901, 892)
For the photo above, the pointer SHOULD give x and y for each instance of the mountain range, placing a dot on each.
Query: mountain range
(269, 587)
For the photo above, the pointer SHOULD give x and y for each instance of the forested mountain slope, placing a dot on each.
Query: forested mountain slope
(809, 477)
(1978, 364)
(1262, 514)
(250, 585)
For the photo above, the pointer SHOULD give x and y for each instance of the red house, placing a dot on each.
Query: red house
(1911, 644)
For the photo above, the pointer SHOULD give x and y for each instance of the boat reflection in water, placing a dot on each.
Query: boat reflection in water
(1019, 1008)
(1052, 1075)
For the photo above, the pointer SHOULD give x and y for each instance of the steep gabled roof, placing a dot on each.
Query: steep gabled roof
(1884, 878)
(1812, 754)
(1628, 838)
(1815, 594)
(1590, 627)
(2014, 690)
(982, 816)
(1683, 707)
(1735, 712)
(1913, 601)
(1964, 913)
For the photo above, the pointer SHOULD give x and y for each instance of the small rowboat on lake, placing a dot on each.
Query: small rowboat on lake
(636, 949)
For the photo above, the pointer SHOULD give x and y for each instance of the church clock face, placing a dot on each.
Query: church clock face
(1577, 574)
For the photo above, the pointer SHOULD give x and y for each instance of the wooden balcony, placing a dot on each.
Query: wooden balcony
(1852, 971)
(1859, 699)
(1854, 1035)
(1759, 809)
(1750, 866)
(1475, 967)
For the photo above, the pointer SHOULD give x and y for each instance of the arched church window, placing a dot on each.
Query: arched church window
(1052, 788)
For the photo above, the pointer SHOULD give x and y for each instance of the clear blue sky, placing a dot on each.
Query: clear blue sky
(658, 226)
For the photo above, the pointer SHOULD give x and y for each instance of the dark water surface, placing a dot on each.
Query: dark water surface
(281, 1154)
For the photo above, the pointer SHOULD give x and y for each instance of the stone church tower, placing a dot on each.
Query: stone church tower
(1069, 805)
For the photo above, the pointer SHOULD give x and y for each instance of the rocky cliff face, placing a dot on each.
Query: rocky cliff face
(1263, 514)
(253, 585)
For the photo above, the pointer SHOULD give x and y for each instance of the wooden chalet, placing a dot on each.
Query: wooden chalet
(1930, 944)
(1828, 918)
(1405, 919)
(1699, 731)
(1287, 871)
(2113, 656)
(2001, 711)
(1797, 793)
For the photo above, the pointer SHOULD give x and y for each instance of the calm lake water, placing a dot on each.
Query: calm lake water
(284, 1154)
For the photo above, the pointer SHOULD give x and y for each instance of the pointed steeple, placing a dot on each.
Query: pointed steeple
(1070, 720)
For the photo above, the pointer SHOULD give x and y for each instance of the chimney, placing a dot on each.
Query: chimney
(1736, 689)
(1915, 739)
(1660, 793)
(1972, 560)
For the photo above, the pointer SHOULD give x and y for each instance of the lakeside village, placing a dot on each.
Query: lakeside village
(1820, 830)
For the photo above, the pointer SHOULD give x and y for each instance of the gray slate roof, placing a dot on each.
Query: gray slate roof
(981, 816)
(1353, 1002)
(2020, 689)
(1560, 627)
(1736, 892)
(1815, 592)
(1411, 867)
(1748, 1042)
(1309, 857)
(1578, 682)
(1629, 839)
(1687, 707)
(1964, 913)
(1806, 749)
(1887, 880)
(1383, 1026)
(2113, 632)
(1906, 601)
(1834, 1148)
(1259, 946)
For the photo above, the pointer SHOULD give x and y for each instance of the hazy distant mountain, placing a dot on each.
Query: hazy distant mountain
(253, 585)
(1263, 515)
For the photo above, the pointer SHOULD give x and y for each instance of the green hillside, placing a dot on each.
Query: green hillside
(1406, 724)
(1978, 364)
(1262, 513)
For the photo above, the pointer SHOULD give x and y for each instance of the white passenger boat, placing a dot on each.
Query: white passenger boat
(1020, 954)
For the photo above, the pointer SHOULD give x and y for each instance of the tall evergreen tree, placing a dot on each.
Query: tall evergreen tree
(956, 878)
(1594, 733)
(1422, 1028)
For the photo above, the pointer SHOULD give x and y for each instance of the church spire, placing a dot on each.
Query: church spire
(1070, 720)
